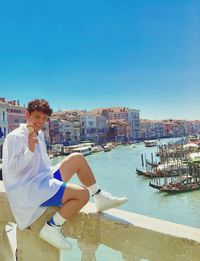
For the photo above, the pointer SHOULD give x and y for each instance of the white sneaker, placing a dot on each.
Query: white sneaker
(54, 236)
(104, 201)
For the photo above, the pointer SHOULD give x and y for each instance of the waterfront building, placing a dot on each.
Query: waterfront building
(130, 116)
(74, 124)
(89, 130)
(175, 128)
(102, 129)
(119, 131)
(152, 129)
(11, 115)
(3, 120)
(134, 121)
(77, 128)
(195, 127)
(67, 132)
(46, 131)
(189, 128)
(178, 128)
(54, 131)
(168, 126)
(16, 114)
(3, 123)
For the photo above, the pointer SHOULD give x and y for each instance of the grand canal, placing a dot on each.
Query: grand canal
(115, 172)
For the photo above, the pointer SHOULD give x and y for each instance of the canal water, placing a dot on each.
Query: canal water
(115, 172)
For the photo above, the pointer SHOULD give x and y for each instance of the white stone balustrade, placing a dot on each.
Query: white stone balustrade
(136, 237)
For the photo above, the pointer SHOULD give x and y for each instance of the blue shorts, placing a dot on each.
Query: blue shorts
(56, 200)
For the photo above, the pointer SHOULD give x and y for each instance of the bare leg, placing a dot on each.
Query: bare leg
(76, 163)
(74, 198)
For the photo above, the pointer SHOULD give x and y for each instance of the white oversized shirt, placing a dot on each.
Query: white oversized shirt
(27, 176)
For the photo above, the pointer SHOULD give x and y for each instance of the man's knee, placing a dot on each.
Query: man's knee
(85, 196)
(76, 156)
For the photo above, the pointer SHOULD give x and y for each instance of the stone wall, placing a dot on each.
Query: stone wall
(135, 236)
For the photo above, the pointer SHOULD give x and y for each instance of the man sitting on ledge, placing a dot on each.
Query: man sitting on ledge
(32, 185)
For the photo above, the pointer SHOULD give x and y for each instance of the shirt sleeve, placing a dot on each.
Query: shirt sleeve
(18, 155)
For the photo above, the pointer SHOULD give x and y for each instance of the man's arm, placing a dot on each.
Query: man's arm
(16, 156)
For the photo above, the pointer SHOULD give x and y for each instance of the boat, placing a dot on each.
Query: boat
(156, 186)
(190, 183)
(150, 143)
(133, 146)
(111, 145)
(179, 188)
(83, 150)
(192, 138)
(51, 156)
(152, 164)
(107, 148)
(179, 180)
(96, 149)
(158, 173)
(147, 174)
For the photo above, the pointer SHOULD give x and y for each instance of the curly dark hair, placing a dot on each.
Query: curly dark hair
(39, 105)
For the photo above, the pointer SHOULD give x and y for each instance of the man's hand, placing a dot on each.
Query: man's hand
(32, 138)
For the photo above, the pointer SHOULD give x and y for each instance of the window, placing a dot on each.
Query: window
(4, 116)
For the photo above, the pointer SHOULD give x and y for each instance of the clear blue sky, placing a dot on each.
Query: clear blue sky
(86, 54)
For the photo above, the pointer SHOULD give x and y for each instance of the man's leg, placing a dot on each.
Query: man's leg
(75, 197)
(76, 163)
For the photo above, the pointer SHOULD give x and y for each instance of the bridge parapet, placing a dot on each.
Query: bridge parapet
(134, 236)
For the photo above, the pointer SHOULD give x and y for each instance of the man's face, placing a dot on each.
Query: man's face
(36, 119)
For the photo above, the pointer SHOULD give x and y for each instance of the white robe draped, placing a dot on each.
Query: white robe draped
(27, 176)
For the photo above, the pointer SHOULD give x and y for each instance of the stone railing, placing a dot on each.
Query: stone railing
(136, 237)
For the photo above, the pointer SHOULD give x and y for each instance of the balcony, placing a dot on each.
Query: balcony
(133, 236)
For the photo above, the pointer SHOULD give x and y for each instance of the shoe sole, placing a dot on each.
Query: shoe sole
(53, 244)
(117, 204)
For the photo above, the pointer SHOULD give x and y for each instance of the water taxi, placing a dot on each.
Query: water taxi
(82, 148)
(150, 143)
(97, 149)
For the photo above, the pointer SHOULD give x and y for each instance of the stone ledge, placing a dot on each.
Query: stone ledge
(131, 234)
(130, 219)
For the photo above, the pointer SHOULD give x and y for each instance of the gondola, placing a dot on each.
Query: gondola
(152, 164)
(155, 186)
(174, 189)
(147, 174)
(158, 173)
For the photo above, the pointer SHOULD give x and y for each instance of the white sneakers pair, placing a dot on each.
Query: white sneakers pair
(54, 235)
(104, 201)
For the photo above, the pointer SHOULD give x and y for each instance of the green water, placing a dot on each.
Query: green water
(115, 172)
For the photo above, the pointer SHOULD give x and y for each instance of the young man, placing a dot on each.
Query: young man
(32, 185)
